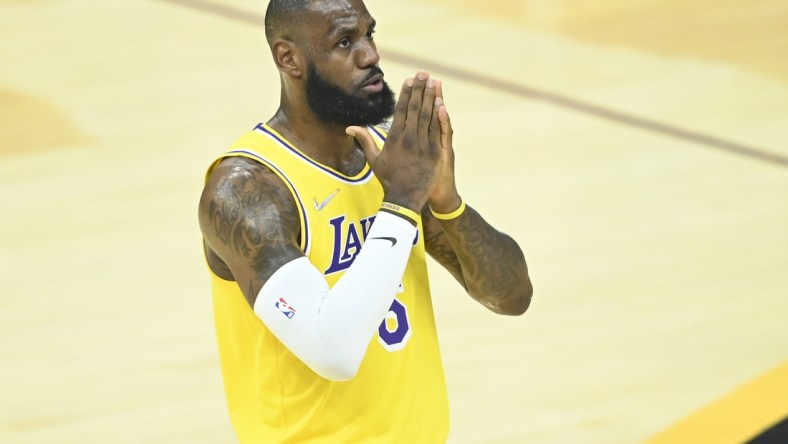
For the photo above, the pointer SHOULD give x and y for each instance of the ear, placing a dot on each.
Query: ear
(288, 58)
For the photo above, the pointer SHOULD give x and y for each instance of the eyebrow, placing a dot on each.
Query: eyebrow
(343, 29)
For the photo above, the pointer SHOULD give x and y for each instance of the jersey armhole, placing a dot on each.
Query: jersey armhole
(304, 236)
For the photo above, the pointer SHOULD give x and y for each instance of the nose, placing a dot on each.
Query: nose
(368, 54)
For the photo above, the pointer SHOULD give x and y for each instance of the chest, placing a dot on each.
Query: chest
(337, 219)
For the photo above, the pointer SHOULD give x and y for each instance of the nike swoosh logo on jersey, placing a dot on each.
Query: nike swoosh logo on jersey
(390, 239)
(320, 206)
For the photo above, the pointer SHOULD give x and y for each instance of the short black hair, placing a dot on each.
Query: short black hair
(280, 17)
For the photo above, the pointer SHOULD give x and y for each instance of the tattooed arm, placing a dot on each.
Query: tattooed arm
(488, 263)
(249, 222)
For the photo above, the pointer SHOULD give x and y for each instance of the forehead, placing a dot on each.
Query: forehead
(325, 16)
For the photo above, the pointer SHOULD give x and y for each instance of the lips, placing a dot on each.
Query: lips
(374, 84)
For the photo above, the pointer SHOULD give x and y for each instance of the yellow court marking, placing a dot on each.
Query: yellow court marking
(737, 417)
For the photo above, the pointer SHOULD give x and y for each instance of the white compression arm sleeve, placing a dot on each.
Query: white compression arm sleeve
(329, 329)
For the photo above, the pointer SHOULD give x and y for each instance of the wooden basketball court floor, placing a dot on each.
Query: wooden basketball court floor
(637, 150)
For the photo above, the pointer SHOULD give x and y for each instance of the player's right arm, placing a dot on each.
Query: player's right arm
(250, 224)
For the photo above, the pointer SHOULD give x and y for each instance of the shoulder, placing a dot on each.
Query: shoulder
(239, 180)
(249, 222)
(243, 197)
(236, 172)
(246, 183)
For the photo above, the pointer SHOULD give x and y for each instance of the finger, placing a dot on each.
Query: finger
(401, 108)
(416, 98)
(426, 114)
(445, 121)
(443, 116)
(367, 143)
(435, 128)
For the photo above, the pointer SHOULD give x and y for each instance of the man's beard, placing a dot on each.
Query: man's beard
(333, 105)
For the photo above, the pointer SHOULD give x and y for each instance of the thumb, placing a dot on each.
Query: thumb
(366, 142)
(446, 129)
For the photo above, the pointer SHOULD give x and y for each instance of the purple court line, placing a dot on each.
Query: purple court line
(524, 91)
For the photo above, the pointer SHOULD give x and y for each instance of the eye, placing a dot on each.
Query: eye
(344, 43)
(371, 34)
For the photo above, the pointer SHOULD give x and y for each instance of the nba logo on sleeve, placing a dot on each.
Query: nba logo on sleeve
(285, 308)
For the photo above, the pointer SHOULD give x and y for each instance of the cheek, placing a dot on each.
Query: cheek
(342, 72)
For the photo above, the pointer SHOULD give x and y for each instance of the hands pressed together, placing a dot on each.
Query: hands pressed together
(417, 165)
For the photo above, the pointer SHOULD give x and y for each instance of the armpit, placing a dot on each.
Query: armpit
(217, 265)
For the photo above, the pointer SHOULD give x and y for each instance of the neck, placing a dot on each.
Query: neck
(324, 142)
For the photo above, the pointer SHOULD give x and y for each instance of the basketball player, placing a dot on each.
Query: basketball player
(315, 228)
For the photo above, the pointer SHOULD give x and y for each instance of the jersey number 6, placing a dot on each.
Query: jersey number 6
(394, 331)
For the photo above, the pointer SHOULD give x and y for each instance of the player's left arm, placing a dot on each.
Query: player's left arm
(488, 263)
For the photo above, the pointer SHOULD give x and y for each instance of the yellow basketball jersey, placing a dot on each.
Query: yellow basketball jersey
(399, 393)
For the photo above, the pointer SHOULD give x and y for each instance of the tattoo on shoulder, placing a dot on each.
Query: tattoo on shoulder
(251, 213)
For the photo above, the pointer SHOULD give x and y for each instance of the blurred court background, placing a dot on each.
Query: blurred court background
(637, 150)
